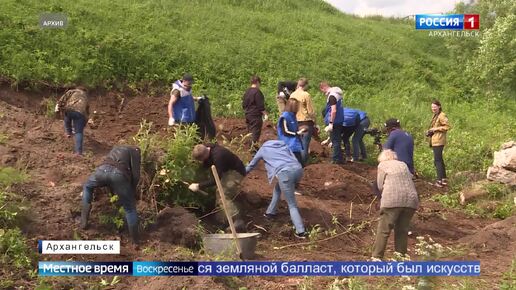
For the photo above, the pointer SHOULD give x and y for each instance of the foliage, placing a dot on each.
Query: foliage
(50, 105)
(3, 138)
(10, 176)
(117, 217)
(179, 169)
(509, 278)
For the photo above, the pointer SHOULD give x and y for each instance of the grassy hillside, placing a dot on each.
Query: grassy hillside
(385, 66)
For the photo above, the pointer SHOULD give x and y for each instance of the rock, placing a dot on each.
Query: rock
(506, 158)
(472, 191)
(507, 145)
(501, 175)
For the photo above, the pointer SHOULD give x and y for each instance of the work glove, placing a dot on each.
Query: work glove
(325, 142)
(328, 128)
(302, 131)
(265, 117)
(317, 128)
(282, 95)
(57, 108)
(194, 187)
(171, 121)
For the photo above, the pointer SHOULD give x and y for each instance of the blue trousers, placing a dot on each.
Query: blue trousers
(336, 140)
(287, 180)
(358, 139)
(108, 175)
(305, 140)
(347, 131)
(78, 121)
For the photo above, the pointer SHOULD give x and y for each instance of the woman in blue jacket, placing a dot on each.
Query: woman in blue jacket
(288, 129)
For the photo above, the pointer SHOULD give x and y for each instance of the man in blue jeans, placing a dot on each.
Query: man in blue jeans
(358, 136)
(120, 171)
(281, 163)
(74, 105)
(333, 118)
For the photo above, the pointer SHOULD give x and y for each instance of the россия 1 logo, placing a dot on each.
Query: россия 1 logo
(447, 21)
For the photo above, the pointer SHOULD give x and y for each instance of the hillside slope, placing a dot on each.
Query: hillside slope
(385, 66)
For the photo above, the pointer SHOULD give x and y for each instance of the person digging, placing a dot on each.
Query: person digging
(231, 171)
(120, 171)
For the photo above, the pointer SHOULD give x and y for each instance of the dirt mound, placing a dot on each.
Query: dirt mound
(177, 226)
(499, 236)
(331, 181)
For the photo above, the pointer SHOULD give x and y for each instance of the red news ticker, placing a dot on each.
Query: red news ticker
(472, 21)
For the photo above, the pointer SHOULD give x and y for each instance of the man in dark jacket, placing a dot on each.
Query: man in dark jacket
(254, 106)
(400, 142)
(75, 107)
(120, 171)
(231, 172)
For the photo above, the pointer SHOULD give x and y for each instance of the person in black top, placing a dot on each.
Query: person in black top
(254, 106)
(231, 171)
(120, 171)
(285, 88)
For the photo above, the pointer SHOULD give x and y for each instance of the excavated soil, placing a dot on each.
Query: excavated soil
(335, 198)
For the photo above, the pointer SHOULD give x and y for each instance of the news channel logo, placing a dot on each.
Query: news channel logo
(447, 22)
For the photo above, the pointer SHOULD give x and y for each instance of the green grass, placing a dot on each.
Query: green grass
(384, 66)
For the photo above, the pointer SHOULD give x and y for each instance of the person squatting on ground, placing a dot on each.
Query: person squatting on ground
(358, 136)
(74, 105)
(253, 104)
(288, 129)
(181, 107)
(281, 164)
(399, 201)
(305, 116)
(333, 118)
(120, 171)
(400, 142)
(231, 171)
(350, 125)
(437, 135)
(285, 89)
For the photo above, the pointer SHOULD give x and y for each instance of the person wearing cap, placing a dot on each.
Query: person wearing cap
(437, 140)
(120, 172)
(281, 164)
(231, 172)
(399, 201)
(74, 105)
(181, 107)
(350, 125)
(333, 118)
(285, 89)
(358, 136)
(400, 142)
(305, 116)
(253, 104)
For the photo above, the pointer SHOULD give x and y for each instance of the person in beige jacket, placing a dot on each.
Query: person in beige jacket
(398, 203)
(437, 140)
(305, 116)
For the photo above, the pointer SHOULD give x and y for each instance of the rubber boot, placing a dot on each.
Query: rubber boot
(85, 214)
(133, 233)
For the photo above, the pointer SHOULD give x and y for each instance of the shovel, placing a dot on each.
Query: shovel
(228, 216)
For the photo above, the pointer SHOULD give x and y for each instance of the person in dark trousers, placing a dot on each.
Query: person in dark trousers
(120, 171)
(358, 136)
(231, 172)
(285, 89)
(400, 142)
(288, 129)
(181, 106)
(281, 164)
(74, 105)
(437, 140)
(305, 116)
(333, 118)
(254, 106)
(350, 125)
(399, 201)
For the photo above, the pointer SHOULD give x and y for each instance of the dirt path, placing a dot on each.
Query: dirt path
(339, 202)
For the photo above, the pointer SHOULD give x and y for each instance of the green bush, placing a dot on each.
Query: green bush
(179, 169)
